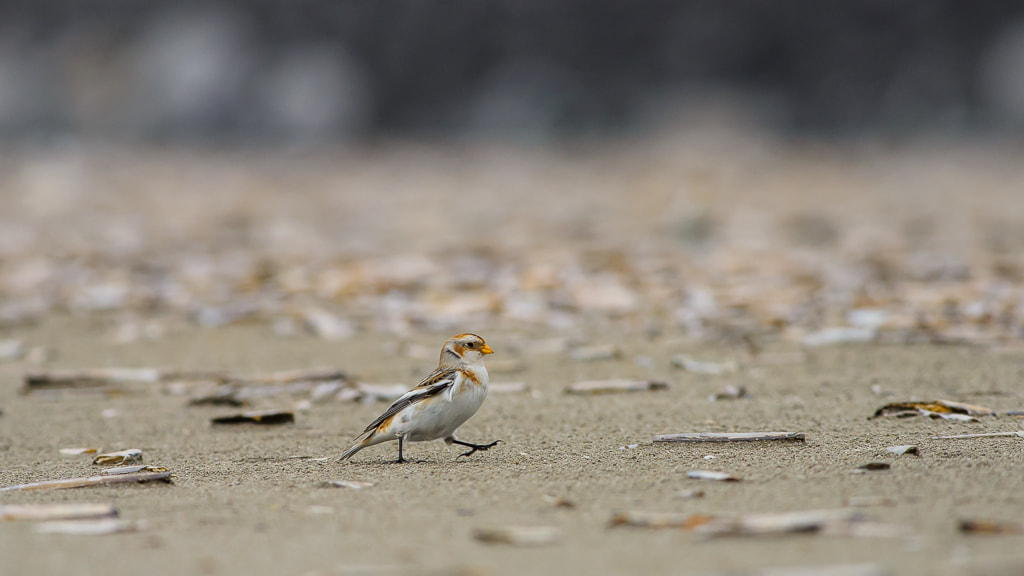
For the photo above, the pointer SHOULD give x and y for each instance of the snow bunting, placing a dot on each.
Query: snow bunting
(439, 404)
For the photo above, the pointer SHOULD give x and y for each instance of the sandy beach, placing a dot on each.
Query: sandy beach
(250, 499)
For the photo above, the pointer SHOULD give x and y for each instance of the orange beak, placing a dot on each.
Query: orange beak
(486, 349)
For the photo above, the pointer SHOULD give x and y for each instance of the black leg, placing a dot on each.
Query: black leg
(400, 459)
(474, 447)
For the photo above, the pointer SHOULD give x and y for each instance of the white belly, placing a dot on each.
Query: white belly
(440, 416)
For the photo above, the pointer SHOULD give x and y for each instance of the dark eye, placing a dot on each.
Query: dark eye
(470, 345)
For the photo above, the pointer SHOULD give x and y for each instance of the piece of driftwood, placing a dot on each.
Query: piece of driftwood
(64, 511)
(104, 378)
(138, 477)
(732, 437)
(99, 378)
(261, 417)
(614, 386)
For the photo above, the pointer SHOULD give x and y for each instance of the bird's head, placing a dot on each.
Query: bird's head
(464, 349)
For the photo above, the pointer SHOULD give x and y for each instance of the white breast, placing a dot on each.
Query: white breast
(440, 417)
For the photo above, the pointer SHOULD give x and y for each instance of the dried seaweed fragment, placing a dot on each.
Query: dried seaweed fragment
(614, 386)
(261, 417)
(982, 526)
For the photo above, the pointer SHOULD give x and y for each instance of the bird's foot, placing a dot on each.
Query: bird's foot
(474, 447)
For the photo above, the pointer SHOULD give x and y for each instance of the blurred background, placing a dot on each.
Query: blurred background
(271, 72)
(336, 167)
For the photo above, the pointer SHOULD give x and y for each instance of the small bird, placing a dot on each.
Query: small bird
(439, 404)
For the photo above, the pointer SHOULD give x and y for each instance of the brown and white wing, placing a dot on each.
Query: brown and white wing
(434, 384)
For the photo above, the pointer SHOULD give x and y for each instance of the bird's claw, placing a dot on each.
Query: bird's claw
(481, 447)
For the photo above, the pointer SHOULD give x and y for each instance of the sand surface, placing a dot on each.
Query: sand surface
(245, 500)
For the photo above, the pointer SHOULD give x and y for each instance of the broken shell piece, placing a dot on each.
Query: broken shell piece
(945, 409)
(350, 484)
(730, 392)
(698, 367)
(901, 450)
(130, 456)
(975, 526)
(614, 386)
(43, 512)
(132, 469)
(139, 477)
(711, 475)
(262, 417)
(732, 437)
(78, 451)
(593, 353)
(519, 535)
(659, 520)
(963, 408)
(100, 527)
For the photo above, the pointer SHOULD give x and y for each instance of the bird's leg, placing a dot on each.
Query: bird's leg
(474, 447)
(400, 459)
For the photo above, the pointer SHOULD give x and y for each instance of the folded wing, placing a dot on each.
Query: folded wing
(434, 384)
